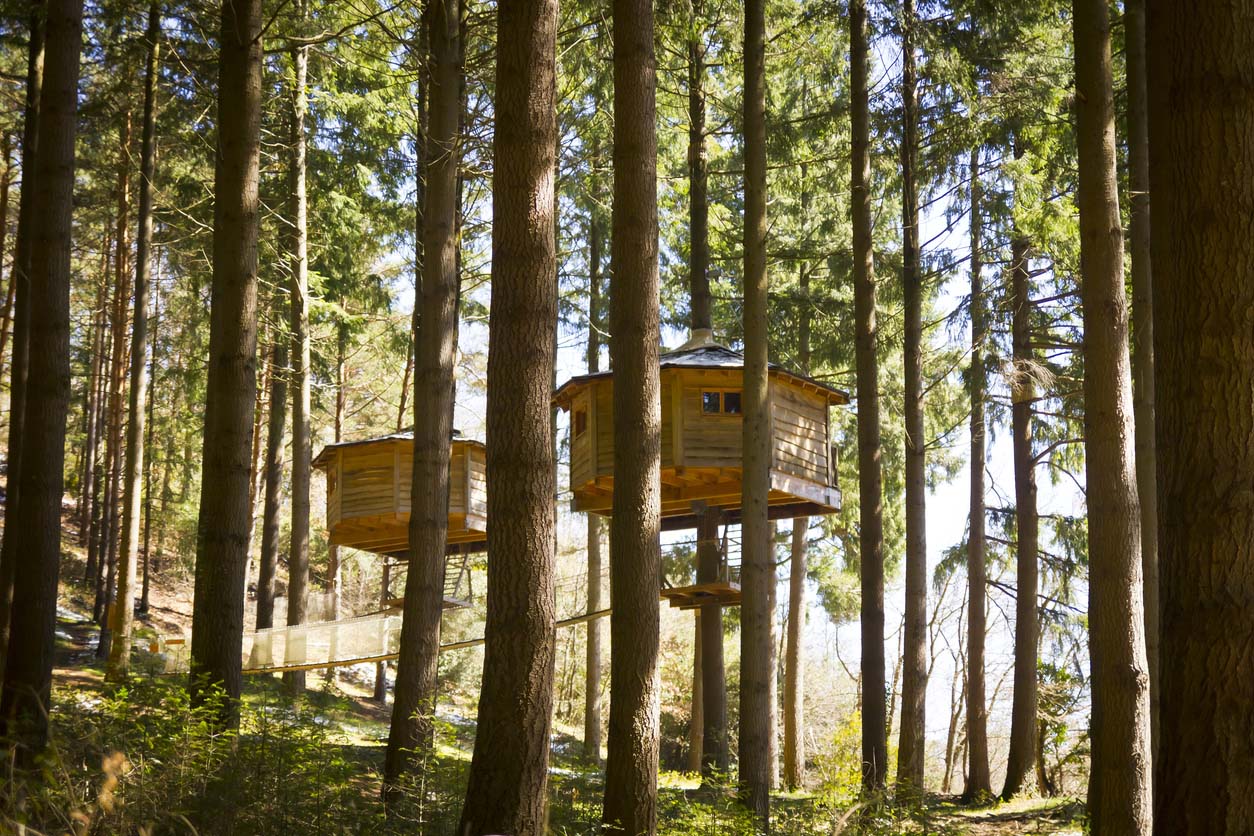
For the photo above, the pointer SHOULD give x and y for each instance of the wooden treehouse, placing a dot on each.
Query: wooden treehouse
(368, 494)
(702, 384)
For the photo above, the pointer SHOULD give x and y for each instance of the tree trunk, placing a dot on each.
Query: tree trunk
(509, 769)
(635, 550)
(979, 783)
(758, 561)
(700, 301)
(149, 429)
(223, 528)
(298, 291)
(272, 499)
(117, 393)
(714, 739)
(912, 745)
(696, 720)
(1201, 114)
(794, 672)
(6, 180)
(381, 668)
(1023, 731)
(871, 522)
(128, 567)
(1119, 780)
(27, 689)
(412, 738)
(22, 264)
(1143, 336)
(87, 485)
(592, 667)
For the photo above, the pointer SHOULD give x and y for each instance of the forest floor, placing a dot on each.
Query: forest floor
(360, 725)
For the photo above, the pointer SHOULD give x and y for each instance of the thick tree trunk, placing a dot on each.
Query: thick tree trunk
(1023, 724)
(592, 667)
(272, 498)
(870, 509)
(757, 572)
(912, 746)
(22, 258)
(696, 719)
(1202, 182)
(979, 783)
(700, 301)
(27, 690)
(117, 393)
(714, 738)
(412, 738)
(794, 672)
(128, 567)
(298, 292)
(1119, 780)
(635, 549)
(509, 770)
(1143, 335)
(223, 529)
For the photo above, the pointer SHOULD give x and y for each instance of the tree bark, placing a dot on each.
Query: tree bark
(794, 672)
(1023, 722)
(912, 745)
(272, 498)
(635, 550)
(1119, 780)
(979, 783)
(22, 258)
(1143, 336)
(1202, 183)
(757, 571)
(223, 528)
(6, 180)
(149, 463)
(128, 567)
(298, 291)
(25, 701)
(509, 769)
(696, 719)
(592, 667)
(412, 738)
(107, 592)
(714, 738)
(87, 485)
(700, 301)
(870, 509)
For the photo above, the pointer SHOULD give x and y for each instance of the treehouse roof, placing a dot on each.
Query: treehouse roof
(323, 459)
(701, 352)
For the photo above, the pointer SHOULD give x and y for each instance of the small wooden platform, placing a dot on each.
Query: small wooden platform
(698, 595)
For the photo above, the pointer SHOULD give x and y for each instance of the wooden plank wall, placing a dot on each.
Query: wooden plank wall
(367, 481)
(477, 481)
(800, 425)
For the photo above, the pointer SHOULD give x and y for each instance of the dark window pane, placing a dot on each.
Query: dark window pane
(581, 423)
(710, 403)
(731, 403)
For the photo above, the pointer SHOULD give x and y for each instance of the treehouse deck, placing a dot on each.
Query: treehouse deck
(695, 596)
(702, 412)
(368, 494)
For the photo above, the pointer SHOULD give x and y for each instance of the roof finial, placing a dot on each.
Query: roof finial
(699, 338)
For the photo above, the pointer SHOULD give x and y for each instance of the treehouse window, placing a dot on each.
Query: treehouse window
(720, 402)
(580, 422)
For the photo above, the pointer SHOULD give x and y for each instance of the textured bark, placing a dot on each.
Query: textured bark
(509, 769)
(412, 737)
(592, 666)
(298, 308)
(757, 572)
(794, 671)
(148, 462)
(700, 301)
(272, 498)
(696, 719)
(979, 783)
(1143, 335)
(22, 257)
(119, 363)
(27, 689)
(912, 747)
(870, 507)
(714, 738)
(1023, 724)
(6, 180)
(1119, 779)
(123, 616)
(87, 484)
(1201, 73)
(635, 550)
(223, 529)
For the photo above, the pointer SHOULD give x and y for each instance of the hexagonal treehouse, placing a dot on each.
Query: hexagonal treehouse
(368, 493)
(702, 459)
